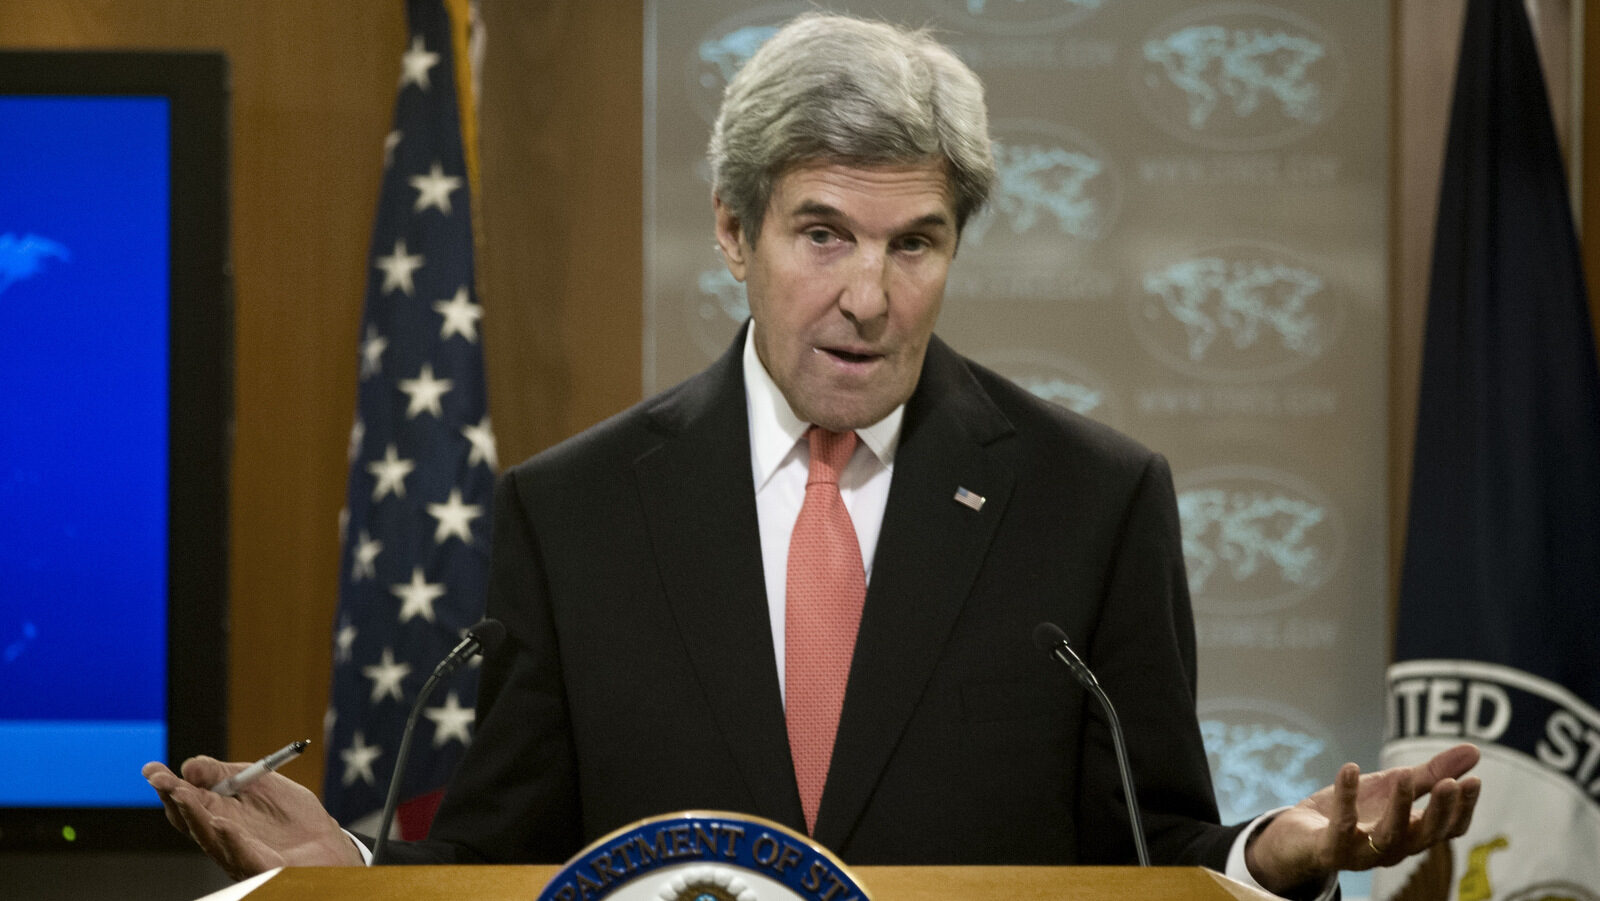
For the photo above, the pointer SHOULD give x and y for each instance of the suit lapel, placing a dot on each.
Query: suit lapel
(699, 499)
(928, 555)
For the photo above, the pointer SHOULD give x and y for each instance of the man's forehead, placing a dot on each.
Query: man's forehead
(920, 192)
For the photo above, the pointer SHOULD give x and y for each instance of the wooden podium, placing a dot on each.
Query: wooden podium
(523, 883)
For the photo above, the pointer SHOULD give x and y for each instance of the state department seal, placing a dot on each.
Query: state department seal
(704, 856)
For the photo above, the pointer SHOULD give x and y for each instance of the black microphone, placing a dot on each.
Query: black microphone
(1050, 639)
(481, 638)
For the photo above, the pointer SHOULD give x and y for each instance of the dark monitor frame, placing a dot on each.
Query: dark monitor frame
(200, 386)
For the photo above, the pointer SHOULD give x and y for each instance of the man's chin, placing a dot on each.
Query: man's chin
(842, 415)
(841, 403)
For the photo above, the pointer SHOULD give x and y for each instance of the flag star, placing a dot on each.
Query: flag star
(391, 474)
(434, 189)
(358, 760)
(344, 524)
(417, 596)
(397, 269)
(425, 391)
(390, 142)
(386, 675)
(455, 518)
(366, 554)
(482, 438)
(344, 643)
(372, 348)
(416, 62)
(450, 721)
(358, 435)
(329, 718)
(461, 316)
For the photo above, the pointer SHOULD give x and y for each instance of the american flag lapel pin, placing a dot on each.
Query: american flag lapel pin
(969, 499)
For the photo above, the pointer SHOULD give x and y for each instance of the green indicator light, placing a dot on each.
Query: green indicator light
(69, 833)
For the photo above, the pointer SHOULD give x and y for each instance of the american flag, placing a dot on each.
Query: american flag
(415, 529)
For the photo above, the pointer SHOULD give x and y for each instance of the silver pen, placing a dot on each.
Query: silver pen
(235, 783)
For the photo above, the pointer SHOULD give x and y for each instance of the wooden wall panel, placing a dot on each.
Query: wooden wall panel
(563, 264)
(312, 86)
(313, 92)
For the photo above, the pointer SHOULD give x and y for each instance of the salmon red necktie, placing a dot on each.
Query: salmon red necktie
(826, 587)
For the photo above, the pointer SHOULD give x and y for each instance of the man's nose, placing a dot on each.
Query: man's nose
(866, 293)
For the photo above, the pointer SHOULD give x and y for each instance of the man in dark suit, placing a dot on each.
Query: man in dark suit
(647, 575)
(644, 677)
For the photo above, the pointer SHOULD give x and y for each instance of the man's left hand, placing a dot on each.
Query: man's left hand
(1360, 822)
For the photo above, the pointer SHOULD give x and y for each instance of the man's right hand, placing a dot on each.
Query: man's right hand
(272, 822)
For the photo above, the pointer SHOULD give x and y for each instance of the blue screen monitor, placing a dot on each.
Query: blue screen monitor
(114, 426)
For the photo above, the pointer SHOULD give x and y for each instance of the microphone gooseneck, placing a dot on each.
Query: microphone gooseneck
(481, 638)
(1049, 638)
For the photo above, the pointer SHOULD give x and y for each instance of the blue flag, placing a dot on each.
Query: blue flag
(1500, 593)
(422, 459)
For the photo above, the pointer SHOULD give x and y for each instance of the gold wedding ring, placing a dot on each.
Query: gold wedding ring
(1374, 845)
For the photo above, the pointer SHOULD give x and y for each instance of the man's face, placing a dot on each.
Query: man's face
(845, 283)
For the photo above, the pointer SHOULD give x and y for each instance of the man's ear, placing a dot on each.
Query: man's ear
(730, 238)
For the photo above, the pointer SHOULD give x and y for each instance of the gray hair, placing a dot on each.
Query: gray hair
(836, 88)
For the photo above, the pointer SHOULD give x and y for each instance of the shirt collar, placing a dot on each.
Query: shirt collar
(775, 430)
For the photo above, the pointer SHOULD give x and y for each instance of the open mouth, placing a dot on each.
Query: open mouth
(847, 356)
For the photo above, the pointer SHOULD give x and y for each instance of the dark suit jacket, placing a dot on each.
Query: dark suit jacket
(639, 678)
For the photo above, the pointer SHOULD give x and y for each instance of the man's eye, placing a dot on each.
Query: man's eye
(915, 244)
(819, 235)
